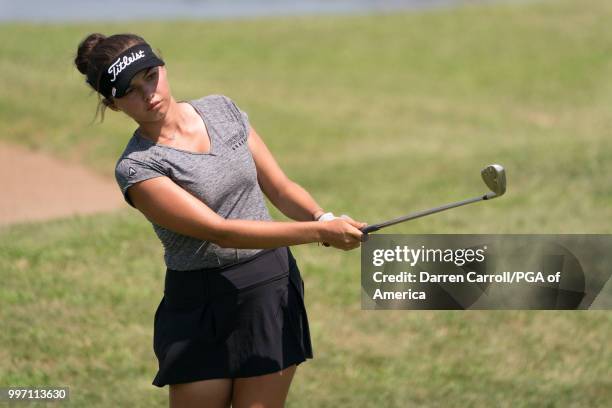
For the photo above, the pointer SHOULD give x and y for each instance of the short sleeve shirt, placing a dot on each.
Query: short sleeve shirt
(225, 179)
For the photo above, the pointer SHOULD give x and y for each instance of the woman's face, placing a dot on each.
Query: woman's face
(147, 87)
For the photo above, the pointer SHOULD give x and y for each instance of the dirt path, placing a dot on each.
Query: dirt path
(38, 187)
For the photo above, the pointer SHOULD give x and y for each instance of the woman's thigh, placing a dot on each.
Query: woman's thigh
(215, 393)
(264, 391)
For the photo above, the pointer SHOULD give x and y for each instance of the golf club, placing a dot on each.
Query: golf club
(494, 177)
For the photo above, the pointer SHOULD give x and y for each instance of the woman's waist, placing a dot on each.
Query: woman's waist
(197, 255)
(206, 283)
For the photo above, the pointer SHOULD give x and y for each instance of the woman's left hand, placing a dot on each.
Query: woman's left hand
(351, 221)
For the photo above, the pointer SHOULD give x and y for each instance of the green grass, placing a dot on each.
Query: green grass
(375, 116)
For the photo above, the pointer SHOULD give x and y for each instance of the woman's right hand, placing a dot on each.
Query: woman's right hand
(342, 233)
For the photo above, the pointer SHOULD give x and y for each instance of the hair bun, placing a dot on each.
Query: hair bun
(84, 50)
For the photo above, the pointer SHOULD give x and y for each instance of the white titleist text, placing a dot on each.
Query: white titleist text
(122, 64)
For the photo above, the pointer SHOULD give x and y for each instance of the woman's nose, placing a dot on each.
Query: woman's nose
(148, 95)
(148, 92)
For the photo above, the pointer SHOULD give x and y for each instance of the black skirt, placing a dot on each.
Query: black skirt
(242, 320)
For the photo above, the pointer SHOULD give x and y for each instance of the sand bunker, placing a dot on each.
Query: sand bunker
(36, 187)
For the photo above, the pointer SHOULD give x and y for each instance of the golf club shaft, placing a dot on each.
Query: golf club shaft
(376, 227)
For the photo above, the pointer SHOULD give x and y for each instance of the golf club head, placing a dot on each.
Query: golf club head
(494, 176)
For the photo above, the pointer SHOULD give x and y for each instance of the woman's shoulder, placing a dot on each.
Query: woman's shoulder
(218, 106)
(220, 100)
(137, 150)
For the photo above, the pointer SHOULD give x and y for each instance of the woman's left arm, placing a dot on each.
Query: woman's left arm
(288, 196)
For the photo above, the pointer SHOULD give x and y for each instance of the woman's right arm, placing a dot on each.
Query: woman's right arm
(165, 203)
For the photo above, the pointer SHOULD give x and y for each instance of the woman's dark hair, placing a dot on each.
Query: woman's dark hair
(97, 51)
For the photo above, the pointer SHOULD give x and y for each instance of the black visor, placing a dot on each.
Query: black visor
(116, 77)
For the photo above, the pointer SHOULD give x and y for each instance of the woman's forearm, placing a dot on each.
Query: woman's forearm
(266, 234)
(296, 203)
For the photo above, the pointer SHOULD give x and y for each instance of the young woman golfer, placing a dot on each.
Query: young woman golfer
(231, 327)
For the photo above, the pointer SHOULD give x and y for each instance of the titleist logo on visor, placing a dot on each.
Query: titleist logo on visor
(114, 79)
(123, 63)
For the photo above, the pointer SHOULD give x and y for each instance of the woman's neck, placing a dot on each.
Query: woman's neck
(168, 127)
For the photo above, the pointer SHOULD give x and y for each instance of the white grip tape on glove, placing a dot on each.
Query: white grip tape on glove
(328, 216)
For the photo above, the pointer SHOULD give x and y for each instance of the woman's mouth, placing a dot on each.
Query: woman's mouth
(153, 105)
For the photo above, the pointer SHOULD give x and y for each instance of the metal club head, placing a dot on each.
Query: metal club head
(494, 176)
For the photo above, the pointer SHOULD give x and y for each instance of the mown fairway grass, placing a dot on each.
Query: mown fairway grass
(375, 116)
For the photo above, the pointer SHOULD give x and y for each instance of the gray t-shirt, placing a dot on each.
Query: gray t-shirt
(225, 179)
